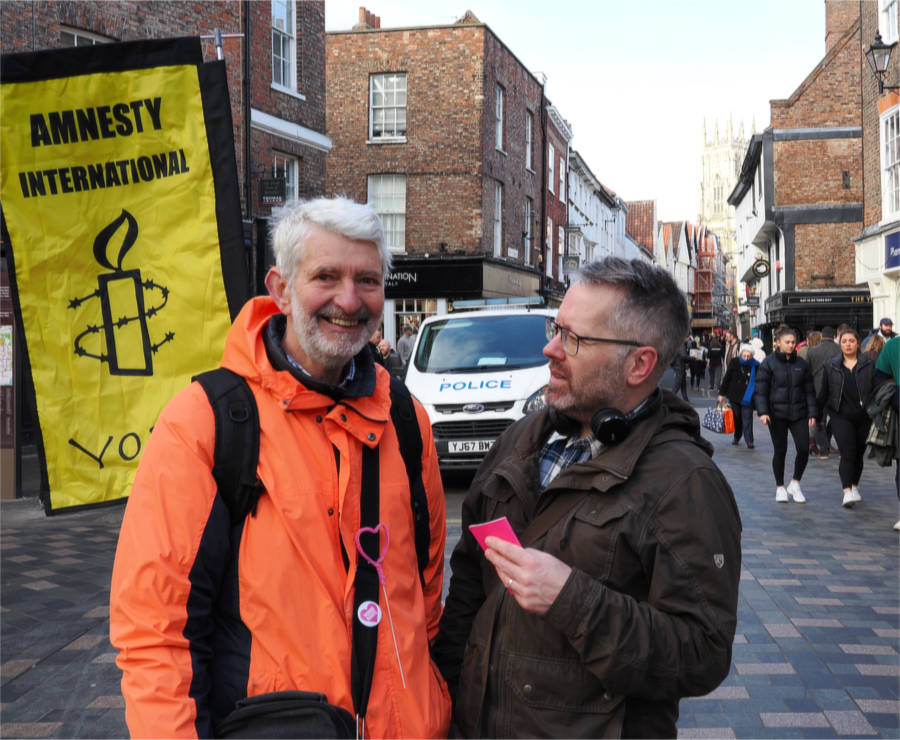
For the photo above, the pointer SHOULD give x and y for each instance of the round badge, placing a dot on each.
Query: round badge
(369, 613)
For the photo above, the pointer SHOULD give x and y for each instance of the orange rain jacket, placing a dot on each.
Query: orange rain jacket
(200, 621)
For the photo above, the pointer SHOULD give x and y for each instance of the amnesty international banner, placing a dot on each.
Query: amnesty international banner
(119, 197)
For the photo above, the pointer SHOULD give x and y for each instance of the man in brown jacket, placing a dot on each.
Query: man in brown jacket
(624, 596)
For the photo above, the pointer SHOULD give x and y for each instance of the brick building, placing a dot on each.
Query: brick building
(446, 132)
(799, 196)
(878, 245)
(278, 47)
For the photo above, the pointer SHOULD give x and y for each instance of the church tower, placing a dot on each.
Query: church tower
(723, 154)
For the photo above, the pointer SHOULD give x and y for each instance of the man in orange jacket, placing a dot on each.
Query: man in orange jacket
(204, 614)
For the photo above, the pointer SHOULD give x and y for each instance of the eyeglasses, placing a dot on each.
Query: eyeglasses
(571, 341)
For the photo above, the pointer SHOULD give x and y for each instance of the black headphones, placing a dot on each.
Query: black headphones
(609, 426)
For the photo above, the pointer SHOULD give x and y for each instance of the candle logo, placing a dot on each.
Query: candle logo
(123, 297)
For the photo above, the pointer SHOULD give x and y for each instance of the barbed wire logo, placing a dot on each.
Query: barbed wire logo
(121, 292)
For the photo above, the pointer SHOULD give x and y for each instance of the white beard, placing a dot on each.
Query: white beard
(329, 353)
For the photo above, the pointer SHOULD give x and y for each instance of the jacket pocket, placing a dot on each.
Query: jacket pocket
(587, 539)
(552, 697)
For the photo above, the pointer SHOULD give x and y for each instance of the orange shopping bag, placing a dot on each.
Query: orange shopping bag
(729, 420)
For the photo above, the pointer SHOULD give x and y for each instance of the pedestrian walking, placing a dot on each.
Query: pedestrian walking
(844, 393)
(874, 347)
(817, 356)
(698, 363)
(786, 402)
(716, 354)
(738, 387)
(680, 367)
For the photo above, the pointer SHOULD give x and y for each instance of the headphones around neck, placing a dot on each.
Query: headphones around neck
(609, 426)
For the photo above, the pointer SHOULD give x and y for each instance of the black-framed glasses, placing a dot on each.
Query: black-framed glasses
(571, 341)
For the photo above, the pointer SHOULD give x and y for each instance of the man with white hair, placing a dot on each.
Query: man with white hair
(207, 611)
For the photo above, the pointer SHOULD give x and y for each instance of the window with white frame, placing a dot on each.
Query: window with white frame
(286, 166)
(528, 239)
(387, 195)
(76, 37)
(562, 250)
(890, 164)
(498, 219)
(498, 119)
(529, 139)
(551, 163)
(387, 106)
(284, 44)
(887, 24)
(562, 179)
(548, 262)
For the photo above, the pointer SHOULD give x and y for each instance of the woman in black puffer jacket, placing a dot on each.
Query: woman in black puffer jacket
(847, 381)
(786, 402)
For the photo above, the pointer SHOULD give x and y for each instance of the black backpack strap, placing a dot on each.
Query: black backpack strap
(236, 452)
(403, 416)
(365, 585)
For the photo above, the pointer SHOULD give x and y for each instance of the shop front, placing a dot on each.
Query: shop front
(419, 287)
(812, 309)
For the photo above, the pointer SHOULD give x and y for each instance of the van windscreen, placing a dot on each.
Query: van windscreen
(482, 344)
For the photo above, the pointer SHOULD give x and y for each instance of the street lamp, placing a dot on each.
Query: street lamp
(878, 56)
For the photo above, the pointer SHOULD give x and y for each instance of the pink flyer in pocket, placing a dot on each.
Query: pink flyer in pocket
(495, 528)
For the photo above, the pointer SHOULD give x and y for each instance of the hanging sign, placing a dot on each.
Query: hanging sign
(120, 201)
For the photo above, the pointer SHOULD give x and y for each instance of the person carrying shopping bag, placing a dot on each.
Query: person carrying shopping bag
(786, 402)
(844, 393)
(738, 387)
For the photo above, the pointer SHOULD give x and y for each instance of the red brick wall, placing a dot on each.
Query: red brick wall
(449, 155)
(556, 208)
(811, 171)
(839, 16)
(829, 96)
(824, 255)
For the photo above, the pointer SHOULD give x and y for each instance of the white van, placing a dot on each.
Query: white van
(476, 372)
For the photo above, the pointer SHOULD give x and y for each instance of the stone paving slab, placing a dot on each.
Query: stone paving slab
(816, 652)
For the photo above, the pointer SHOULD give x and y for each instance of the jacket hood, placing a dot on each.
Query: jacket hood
(680, 421)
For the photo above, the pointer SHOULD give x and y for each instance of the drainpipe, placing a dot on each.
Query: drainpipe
(543, 224)
(248, 156)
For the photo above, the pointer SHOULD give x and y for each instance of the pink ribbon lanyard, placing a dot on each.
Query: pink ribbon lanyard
(382, 527)
(376, 564)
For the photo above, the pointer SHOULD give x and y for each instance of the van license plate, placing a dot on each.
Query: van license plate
(470, 445)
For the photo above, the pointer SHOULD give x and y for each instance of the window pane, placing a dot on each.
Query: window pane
(387, 105)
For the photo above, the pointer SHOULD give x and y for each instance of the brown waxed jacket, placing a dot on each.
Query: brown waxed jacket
(648, 613)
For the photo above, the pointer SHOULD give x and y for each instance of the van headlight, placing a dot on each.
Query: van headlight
(535, 401)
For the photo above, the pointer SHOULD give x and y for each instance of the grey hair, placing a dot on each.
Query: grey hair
(291, 225)
(654, 311)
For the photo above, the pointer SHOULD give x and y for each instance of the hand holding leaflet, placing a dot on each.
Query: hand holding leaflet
(495, 528)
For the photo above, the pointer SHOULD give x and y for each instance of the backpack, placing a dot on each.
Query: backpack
(236, 451)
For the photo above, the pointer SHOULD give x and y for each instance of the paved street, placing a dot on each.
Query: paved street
(816, 651)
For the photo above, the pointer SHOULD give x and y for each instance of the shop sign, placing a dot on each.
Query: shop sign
(892, 251)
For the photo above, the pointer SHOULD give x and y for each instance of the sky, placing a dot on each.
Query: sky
(636, 78)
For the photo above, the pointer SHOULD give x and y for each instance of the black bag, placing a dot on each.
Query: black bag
(288, 714)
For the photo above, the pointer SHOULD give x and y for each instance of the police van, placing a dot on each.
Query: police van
(476, 372)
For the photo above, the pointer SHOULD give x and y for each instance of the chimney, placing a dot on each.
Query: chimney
(367, 21)
(839, 16)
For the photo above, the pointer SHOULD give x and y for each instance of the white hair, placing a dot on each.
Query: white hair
(292, 222)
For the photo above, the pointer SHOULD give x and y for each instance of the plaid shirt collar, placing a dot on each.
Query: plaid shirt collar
(560, 452)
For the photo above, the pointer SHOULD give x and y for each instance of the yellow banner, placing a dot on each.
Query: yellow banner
(109, 200)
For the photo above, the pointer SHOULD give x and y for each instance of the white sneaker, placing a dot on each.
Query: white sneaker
(855, 490)
(851, 497)
(781, 495)
(897, 525)
(793, 488)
